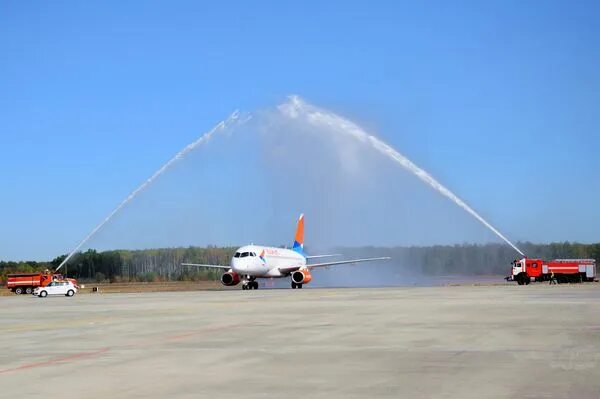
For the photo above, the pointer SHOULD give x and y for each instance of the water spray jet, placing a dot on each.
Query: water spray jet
(221, 126)
(297, 108)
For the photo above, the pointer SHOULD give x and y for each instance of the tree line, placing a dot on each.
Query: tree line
(147, 265)
(153, 265)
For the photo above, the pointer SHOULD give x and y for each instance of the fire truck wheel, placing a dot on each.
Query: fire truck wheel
(43, 294)
(18, 290)
(28, 290)
(70, 293)
(563, 280)
(520, 281)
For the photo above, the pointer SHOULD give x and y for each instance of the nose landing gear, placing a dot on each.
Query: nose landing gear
(250, 284)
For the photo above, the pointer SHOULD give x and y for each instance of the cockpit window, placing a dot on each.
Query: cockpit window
(244, 254)
(237, 255)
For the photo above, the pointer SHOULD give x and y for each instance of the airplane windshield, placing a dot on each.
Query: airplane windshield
(237, 255)
(244, 254)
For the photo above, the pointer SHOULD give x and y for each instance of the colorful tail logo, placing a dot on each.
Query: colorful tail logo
(299, 240)
(262, 256)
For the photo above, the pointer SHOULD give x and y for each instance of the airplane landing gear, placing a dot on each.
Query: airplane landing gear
(250, 285)
(294, 285)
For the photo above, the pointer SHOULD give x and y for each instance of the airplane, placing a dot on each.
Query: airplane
(255, 261)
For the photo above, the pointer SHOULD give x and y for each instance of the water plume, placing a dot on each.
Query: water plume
(220, 127)
(296, 108)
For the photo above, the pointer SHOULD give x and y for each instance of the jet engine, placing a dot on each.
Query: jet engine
(230, 278)
(301, 276)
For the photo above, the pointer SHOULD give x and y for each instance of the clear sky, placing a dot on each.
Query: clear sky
(499, 100)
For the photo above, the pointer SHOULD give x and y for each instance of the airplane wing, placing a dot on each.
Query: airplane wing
(321, 256)
(200, 265)
(325, 264)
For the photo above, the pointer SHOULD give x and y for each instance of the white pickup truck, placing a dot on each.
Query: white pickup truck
(66, 288)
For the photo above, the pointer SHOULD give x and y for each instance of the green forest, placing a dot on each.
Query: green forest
(154, 265)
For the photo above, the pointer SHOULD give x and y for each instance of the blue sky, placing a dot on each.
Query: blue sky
(498, 100)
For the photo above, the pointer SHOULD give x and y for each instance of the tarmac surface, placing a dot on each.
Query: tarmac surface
(537, 341)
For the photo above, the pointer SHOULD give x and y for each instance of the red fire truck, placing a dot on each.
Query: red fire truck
(24, 283)
(527, 270)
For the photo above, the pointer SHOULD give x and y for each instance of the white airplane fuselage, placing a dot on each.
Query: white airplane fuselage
(259, 261)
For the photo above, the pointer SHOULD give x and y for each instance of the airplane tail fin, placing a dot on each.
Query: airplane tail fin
(299, 240)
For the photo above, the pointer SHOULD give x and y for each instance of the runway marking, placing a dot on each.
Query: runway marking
(66, 359)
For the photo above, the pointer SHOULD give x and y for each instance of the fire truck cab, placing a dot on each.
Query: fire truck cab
(525, 269)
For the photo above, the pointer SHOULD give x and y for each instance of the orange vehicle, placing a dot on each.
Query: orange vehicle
(24, 283)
